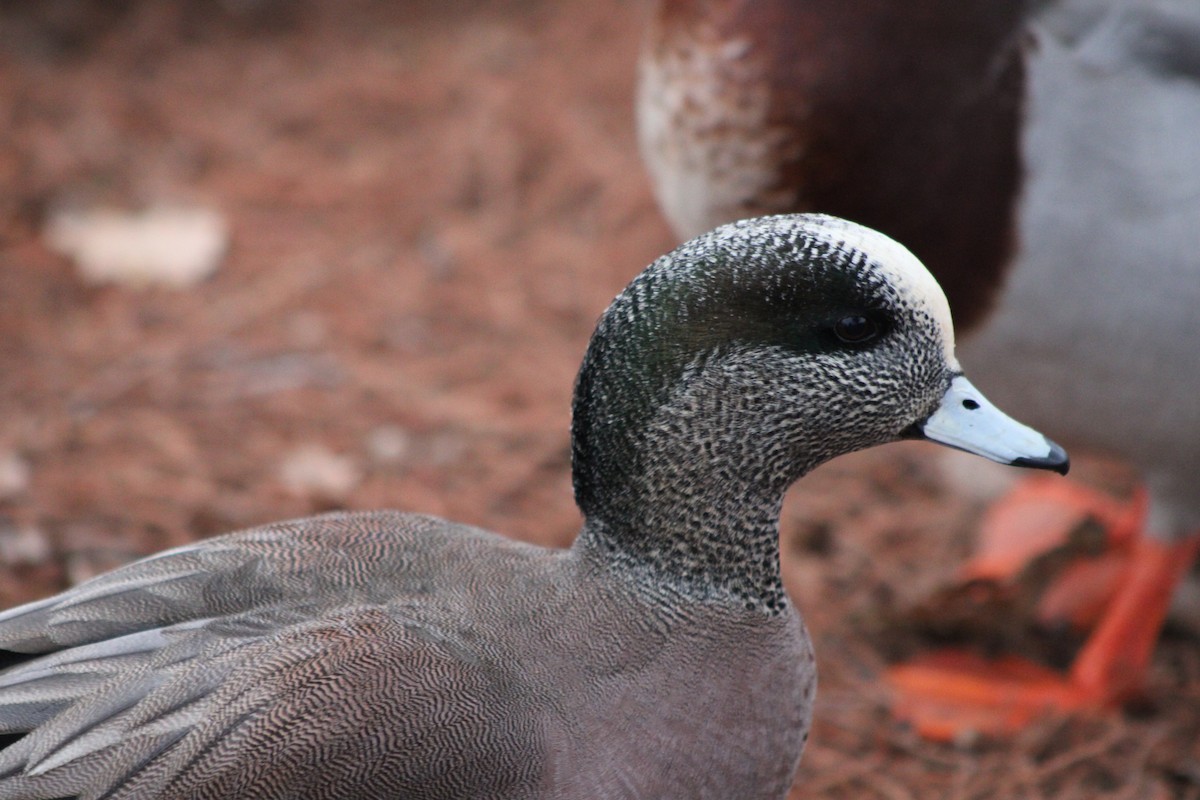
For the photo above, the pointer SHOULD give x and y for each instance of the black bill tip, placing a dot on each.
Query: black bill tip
(1056, 460)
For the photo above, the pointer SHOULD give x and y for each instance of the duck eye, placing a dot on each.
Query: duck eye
(855, 329)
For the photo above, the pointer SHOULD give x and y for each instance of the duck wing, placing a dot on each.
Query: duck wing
(285, 661)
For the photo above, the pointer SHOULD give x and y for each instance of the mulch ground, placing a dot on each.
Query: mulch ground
(430, 204)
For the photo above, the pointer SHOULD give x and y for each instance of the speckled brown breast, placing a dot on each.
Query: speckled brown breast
(904, 116)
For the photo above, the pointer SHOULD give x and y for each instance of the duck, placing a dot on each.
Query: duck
(381, 654)
(1041, 159)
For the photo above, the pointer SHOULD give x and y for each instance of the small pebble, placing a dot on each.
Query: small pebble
(389, 444)
(23, 545)
(165, 246)
(14, 474)
(315, 470)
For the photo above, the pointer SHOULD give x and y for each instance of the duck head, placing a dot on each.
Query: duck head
(749, 355)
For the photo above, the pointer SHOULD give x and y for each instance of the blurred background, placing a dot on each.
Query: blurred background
(391, 227)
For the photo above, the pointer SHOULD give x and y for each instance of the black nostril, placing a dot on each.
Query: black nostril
(970, 405)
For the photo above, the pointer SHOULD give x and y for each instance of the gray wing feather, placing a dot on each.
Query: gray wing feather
(277, 661)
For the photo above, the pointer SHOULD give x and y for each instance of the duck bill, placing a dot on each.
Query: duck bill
(966, 421)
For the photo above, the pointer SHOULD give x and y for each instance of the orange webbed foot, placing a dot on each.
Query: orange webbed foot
(1117, 586)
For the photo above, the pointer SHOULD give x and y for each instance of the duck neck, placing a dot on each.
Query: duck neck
(720, 547)
(692, 503)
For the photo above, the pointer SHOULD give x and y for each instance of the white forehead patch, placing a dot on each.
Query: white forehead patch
(895, 263)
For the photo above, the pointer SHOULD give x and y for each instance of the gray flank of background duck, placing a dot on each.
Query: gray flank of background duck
(391, 655)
